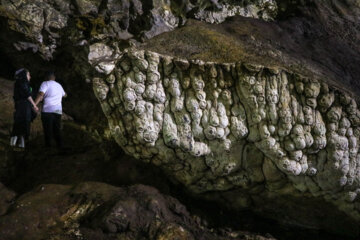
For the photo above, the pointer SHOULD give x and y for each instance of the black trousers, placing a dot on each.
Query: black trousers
(22, 118)
(52, 128)
(21, 129)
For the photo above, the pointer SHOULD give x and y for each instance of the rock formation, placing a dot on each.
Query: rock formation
(234, 126)
(92, 210)
(256, 113)
(42, 22)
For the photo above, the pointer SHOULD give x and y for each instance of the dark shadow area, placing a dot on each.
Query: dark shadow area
(6, 68)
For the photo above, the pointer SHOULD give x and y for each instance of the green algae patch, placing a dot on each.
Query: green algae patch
(237, 40)
(241, 39)
(197, 41)
(92, 25)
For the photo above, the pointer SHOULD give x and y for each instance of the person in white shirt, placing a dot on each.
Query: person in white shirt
(52, 93)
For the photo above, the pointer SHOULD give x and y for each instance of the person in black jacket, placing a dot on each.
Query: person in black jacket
(24, 107)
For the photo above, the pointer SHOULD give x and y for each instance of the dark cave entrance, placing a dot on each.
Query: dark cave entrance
(6, 68)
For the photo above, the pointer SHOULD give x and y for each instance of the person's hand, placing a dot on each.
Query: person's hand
(36, 108)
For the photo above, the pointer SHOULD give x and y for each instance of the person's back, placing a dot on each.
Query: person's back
(52, 93)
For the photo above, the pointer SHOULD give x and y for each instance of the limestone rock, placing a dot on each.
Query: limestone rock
(246, 118)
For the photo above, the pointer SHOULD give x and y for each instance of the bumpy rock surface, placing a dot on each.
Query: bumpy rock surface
(221, 127)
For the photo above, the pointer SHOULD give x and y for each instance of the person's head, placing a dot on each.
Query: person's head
(50, 75)
(22, 75)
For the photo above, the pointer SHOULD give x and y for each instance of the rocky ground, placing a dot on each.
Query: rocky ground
(93, 210)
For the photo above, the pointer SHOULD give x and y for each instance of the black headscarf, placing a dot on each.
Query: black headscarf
(21, 74)
(22, 89)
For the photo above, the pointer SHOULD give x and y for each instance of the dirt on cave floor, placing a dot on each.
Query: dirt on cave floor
(86, 158)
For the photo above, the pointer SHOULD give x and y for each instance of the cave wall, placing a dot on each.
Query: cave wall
(263, 130)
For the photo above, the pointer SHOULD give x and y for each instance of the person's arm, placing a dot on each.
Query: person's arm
(30, 99)
(41, 94)
(26, 92)
(39, 98)
(64, 95)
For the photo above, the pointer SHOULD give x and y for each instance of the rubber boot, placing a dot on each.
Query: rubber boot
(22, 142)
(13, 141)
